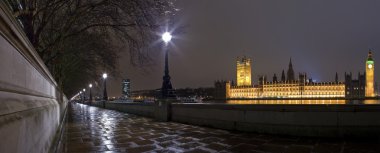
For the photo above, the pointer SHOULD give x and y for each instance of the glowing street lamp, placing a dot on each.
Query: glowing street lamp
(105, 97)
(84, 95)
(166, 37)
(80, 95)
(90, 85)
(166, 89)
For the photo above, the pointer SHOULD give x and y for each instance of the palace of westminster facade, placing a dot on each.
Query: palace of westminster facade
(291, 87)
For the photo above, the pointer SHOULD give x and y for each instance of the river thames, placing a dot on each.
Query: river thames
(324, 101)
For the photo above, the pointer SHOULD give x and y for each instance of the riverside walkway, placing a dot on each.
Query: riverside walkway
(92, 129)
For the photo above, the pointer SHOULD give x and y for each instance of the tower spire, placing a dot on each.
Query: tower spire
(274, 78)
(283, 79)
(336, 77)
(290, 74)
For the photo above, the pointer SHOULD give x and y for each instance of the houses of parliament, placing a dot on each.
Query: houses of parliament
(290, 87)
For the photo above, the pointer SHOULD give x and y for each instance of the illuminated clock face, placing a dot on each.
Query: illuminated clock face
(370, 66)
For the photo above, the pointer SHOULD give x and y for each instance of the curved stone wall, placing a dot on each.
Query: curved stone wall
(31, 106)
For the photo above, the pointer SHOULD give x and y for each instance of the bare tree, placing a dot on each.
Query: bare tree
(73, 35)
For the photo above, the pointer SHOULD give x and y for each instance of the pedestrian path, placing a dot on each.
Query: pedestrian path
(92, 129)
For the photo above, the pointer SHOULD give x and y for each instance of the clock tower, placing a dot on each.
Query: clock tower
(370, 72)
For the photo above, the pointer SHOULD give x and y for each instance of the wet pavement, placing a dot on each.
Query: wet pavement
(92, 129)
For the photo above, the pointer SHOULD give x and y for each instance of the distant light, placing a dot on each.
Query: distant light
(105, 75)
(84, 90)
(80, 92)
(166, 37)
(90, 85)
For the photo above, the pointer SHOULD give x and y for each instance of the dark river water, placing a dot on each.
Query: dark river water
(297, 101)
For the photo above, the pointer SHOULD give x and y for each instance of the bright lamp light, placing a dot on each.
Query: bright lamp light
(105, 75)
(166, 37)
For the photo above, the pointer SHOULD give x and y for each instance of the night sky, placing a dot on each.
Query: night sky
(322, 37)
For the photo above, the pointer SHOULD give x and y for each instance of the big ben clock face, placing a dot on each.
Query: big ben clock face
(370, 66)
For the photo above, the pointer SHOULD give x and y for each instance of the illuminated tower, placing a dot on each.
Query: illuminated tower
(243, 71)
(369, 72)
(290, 73)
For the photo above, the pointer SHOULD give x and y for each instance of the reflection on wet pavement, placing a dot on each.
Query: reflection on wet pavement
(92, 129)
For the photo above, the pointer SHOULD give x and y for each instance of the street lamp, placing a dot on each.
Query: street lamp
(80, 95)
(90, 85)
(105, 97)
(84, 95)
(166, 37)
(166, 89)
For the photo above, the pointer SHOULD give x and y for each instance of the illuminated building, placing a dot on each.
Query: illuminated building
(292, 87)
(126, 88)
(243, 71)
(369, 76)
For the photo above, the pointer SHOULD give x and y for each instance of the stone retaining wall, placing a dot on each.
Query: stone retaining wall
(297, 120)
(142, 109)
(32, 108)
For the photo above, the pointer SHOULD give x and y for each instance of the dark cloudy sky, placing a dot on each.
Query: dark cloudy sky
(321, 36)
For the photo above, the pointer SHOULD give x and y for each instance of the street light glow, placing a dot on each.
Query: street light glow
(84, 90)
(166, 37)
(105, 75)
(90, 85)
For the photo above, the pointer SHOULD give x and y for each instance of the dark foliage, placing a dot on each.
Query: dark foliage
(80, 39)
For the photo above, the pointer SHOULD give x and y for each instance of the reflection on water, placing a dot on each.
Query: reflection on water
(322, 101)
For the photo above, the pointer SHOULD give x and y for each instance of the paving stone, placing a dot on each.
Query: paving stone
(298, 149)
(144, 142)
(215, 146)
(184, 140)
(243, 148)
(234, 141)
(152, 136)
(211, 140)
(162, 139)
(327, 148)
(196, 151)
(166, 144)
(271, 148)
(190, 145)
(140, 149)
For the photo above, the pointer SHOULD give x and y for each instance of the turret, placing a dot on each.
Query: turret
(283, 79)
(274, 78)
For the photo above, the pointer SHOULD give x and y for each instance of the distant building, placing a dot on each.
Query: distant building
(126, 88)
(221, 89)
(292, 87)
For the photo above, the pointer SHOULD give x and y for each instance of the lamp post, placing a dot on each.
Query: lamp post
(105, 97)
(166, 89)
(90, 85)
(84, 95)
(80, 95)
